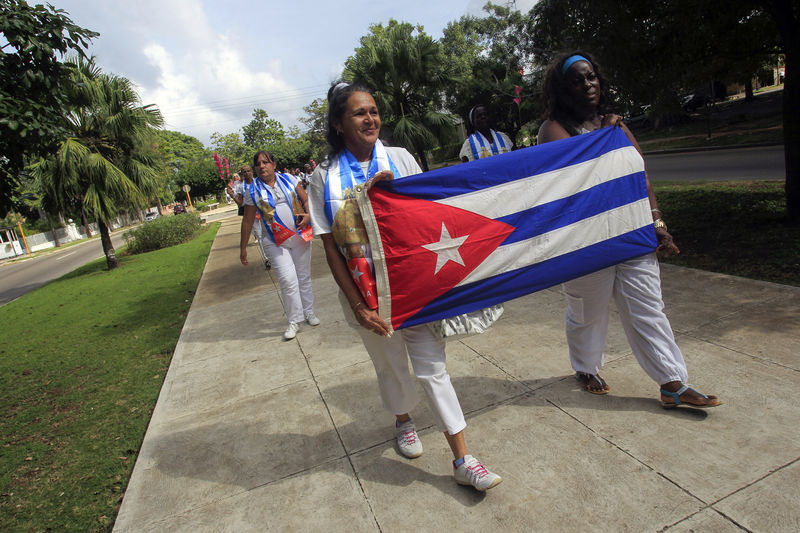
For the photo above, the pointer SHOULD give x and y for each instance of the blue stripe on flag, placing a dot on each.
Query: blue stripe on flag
(538, 276)
(483, 173)
(565, 211)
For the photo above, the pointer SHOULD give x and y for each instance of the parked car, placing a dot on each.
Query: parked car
(693, 102)
(179, 208)
(150, 215)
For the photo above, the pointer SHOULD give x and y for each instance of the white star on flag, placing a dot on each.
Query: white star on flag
(446, 249)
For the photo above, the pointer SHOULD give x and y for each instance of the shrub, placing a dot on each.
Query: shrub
(162, 233)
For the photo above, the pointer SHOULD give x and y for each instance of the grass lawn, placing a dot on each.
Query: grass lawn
(737, 228)
(733, 122)
(82, 361)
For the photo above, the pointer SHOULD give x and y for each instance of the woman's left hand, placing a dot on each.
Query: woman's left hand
(611, 120)
(666, 245)
(303, 221)
(383, 175)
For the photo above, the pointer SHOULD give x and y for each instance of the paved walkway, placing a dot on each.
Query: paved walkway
(253, 433)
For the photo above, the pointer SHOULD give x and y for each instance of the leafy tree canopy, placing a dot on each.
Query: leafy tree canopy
(490, 62)
(407, 70)
(202, 176)
(178, 148)
(33, 84)
(262, 131)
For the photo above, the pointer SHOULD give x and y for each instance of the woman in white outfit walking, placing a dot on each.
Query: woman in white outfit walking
(282, 204)
(357, 155)
(574, 98)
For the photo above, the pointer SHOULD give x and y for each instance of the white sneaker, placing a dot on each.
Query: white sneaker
(407, 440)
(472, 472)
(312, 319)
(291, 331)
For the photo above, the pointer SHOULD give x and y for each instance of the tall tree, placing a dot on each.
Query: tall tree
(262, 131)
(317, 124)
(407, 70)
(654, 51)
(106, 163)
(490, 62)
(231, 147)
(33, 84)
(786, 15)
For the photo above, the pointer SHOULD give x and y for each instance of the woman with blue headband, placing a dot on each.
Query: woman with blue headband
(574, 100)
(483, 141)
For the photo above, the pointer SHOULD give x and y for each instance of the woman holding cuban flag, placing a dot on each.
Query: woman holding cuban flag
(484, 142)
(285, 236)
(358, 158)
(574, 99)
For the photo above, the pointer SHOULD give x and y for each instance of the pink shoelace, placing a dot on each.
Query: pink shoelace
(478, 469)
(409, 436)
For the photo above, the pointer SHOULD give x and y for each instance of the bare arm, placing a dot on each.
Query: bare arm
(305, 219)
(247, 228)
(665, 243)
(368, 318)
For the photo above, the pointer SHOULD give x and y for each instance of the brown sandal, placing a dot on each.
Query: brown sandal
(586, 380)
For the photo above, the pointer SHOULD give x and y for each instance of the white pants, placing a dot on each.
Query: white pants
(636, 288)
(427, 353)
(291, 262)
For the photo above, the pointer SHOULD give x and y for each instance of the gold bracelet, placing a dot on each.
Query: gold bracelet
(354, 307)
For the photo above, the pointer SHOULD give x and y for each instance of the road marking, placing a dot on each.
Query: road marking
(60, 257)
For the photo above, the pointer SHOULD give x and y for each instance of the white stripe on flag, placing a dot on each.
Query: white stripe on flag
(519, 195)
(586, 232)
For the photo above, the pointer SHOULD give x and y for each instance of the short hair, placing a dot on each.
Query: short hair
(559, 104)
(266, 154)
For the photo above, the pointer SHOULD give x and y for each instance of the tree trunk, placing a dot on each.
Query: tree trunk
(748, 90)
(108, 247)
(86, 229)
(787, 20)
(423, 160)
(52, 229)
(791, 134)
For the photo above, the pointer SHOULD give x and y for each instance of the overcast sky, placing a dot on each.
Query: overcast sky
(207, 64)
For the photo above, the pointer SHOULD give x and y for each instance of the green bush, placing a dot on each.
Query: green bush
(162, 233)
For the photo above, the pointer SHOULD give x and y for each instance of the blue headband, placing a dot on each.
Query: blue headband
(570, 60)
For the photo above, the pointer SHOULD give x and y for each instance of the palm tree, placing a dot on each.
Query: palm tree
(407, 73)
(106, 163)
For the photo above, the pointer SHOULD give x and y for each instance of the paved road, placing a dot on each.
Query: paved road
(759, 163)
(21, 277)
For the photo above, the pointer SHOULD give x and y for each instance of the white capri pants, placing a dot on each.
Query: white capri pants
(636, 288)
(427, 353)
(291, 262)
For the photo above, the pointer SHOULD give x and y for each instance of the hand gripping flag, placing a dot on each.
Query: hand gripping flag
(462, 238)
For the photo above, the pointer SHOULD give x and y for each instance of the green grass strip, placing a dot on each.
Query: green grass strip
(82, 361)
(737, 228)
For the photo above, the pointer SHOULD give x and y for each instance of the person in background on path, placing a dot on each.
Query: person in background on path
(356, 155)
(245, 177)
(484, 141)
(281, 204)
(574, 98)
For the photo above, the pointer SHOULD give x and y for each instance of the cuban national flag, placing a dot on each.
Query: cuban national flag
(462, 238)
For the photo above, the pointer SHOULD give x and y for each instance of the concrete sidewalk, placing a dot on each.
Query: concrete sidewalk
(253, 433)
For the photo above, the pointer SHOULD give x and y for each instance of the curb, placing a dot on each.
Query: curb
(709, 148)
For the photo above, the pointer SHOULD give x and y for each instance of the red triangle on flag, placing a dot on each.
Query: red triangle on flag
(429, 247)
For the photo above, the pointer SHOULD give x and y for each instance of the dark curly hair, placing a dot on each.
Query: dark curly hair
(559, 104)
(337, 103)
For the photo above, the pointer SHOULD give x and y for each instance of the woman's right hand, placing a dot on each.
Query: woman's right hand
(243, 257)
(383, 175)
(371, 320)
(611, 120)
